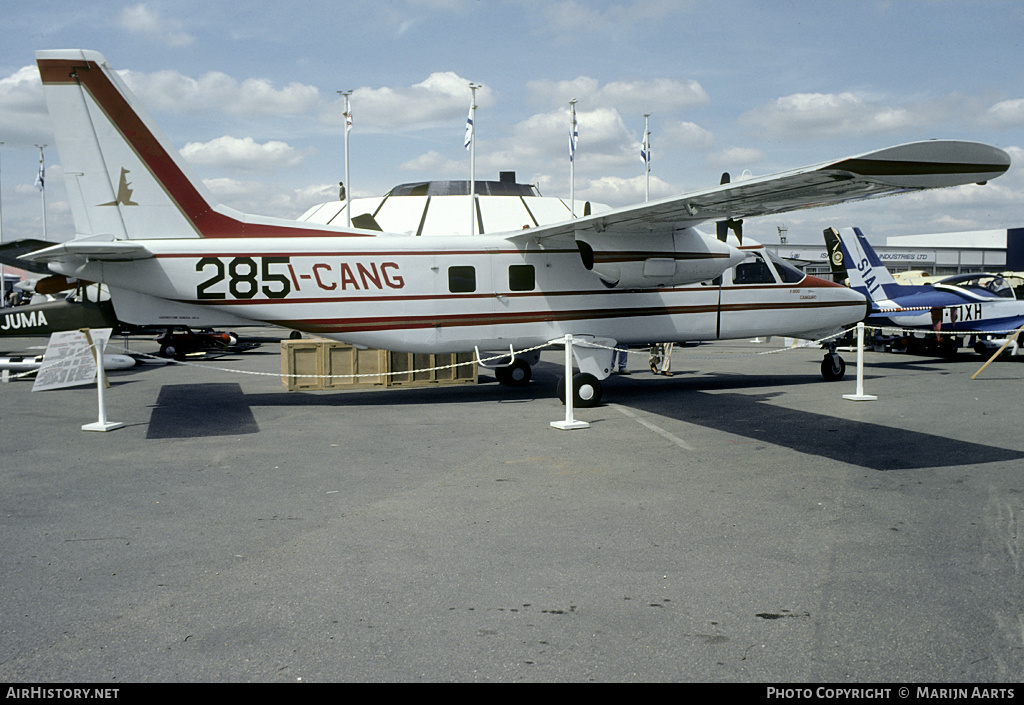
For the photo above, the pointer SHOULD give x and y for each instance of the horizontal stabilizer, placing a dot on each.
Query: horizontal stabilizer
(90, 250)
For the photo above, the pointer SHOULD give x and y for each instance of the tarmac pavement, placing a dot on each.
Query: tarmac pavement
(738, 522)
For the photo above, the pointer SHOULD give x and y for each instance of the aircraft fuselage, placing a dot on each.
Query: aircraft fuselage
(448, 294)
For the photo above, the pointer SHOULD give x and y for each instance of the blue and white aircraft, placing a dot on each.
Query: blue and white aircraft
(982, 303)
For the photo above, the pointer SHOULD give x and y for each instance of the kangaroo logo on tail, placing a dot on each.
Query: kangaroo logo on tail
(124, 193)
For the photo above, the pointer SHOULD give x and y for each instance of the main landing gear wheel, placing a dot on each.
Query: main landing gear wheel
(517, 374)
(833, 367)
(586, 389)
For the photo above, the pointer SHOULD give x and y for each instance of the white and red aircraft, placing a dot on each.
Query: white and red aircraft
(634, 275)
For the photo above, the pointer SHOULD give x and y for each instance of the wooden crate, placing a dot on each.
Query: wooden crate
(417, 369)
(332, 365)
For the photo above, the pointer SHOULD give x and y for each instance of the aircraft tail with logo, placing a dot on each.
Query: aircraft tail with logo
(124, 178)
(869, 276)
(866, 272)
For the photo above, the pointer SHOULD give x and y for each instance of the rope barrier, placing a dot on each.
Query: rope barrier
(514, 353)
(476, 361)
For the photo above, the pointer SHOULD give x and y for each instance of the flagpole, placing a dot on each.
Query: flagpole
(348, 183)
(573, 137)
(646, 152)
(41, 184)
(471, 146)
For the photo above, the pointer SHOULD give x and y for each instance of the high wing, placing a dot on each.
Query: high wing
(913, 166)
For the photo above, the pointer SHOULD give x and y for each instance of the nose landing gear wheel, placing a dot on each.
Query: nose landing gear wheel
(833, 368)
(517, 374)
(587, 391)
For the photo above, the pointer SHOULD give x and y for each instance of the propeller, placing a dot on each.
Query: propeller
(724, 226)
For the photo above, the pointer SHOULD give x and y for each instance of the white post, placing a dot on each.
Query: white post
(570, 393)
(860, 395)
(101, 382)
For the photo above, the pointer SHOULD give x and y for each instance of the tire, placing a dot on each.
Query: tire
(587, 391)
(833, 368)
(518, 374)
(170, 351)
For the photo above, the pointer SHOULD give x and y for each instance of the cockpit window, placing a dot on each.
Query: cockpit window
(787, 272)
(754, 270)
(988, 283)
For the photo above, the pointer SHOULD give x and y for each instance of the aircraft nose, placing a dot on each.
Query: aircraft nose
(841, 292)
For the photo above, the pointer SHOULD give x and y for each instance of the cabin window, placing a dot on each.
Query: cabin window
(461, 280)
(521, 277)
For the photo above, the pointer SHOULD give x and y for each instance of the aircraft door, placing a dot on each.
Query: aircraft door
(467, 291)
(744, 289)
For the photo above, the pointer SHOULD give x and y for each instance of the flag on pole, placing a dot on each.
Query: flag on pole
(348, 121)
(574, 134)
(40, 177)
(469, 128)
(645, 150)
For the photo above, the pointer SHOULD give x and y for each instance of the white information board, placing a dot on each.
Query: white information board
(69, 360)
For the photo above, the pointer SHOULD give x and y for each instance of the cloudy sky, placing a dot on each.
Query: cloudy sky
(248, 91)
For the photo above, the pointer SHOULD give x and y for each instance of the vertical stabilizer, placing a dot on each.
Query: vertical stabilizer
(867, 273)
(102, 135)
(124, 178)
(834, 251)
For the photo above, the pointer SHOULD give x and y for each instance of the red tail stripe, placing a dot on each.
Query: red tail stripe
(206, 221)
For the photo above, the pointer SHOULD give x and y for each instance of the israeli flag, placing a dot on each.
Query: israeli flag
(469, 128)
(574, 136)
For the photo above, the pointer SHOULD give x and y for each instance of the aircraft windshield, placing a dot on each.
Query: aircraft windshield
(787, 272)
(990, 283)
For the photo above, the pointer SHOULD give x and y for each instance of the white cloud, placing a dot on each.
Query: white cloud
(174, 92)
(735, 158)
(613, 190)
(1005, 114)
(141, 19)
(23, 113)
(686, 135)
(272, 199)
(440, 98)
(244, 154)
(430, 163)
(639, 96)
(816, 115)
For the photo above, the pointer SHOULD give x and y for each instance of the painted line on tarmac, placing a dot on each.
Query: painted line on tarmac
(647, 424)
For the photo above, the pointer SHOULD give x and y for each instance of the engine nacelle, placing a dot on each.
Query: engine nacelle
(639, 261)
